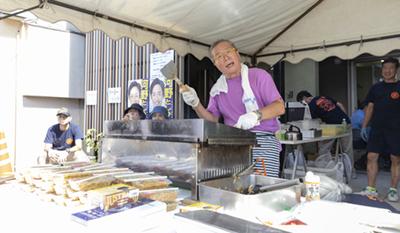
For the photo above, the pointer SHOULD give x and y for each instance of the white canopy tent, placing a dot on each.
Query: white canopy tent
(268, 30)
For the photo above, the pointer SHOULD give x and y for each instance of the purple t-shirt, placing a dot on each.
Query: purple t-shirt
(230, 105)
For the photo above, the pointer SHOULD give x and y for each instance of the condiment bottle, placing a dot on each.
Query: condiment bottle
(312, 186)
(344, 123)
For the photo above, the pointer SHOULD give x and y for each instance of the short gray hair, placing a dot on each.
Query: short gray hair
(220, 41)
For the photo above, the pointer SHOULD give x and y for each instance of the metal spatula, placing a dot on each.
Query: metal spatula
(170, 72)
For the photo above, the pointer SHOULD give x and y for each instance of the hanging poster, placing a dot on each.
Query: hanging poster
(114, 95)
(160, 89)
(91, 97)
(137, 93)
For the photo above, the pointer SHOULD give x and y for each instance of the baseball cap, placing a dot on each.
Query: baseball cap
(137, 107)
(161, 110)
(63, 111)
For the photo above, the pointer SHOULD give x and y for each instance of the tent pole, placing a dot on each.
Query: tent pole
(19, 12)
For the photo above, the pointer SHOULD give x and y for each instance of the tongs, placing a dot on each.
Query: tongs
(248, 170)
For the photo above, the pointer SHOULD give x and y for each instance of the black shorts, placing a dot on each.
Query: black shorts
(379, 140)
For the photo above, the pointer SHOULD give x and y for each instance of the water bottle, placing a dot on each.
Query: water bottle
(344, 123)
(312, 186)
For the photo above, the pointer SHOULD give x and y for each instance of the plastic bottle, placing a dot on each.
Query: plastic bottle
(344, 123)
(312, 186)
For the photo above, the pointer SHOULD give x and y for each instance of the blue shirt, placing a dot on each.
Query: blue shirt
(357, 119)
(62, 140)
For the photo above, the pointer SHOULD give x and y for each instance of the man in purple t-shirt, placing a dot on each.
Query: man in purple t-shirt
(227, 99)
(63, 141)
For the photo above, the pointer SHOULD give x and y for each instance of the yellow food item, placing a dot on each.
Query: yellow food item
(164, 196)
(332, 130)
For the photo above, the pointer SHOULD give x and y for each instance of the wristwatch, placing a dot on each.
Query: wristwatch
(258, 113)
(68, 150)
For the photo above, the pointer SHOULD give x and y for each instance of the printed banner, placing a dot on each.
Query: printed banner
(138, 93)
(161, 89)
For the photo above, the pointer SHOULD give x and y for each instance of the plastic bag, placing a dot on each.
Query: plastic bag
(323, 160)
(291, 158)
(307, 113)
(347, 166)
(332, 190)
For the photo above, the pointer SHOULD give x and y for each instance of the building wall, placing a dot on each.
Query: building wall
(42, 70)
(301, 76)
(8, 49)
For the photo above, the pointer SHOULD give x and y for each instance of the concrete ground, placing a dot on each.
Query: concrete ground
(383, 183)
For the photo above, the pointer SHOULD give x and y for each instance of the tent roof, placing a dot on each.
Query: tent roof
(271, 29)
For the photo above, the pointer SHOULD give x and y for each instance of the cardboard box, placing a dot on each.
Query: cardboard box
(113, 196)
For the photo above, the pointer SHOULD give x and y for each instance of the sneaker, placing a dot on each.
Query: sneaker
(367, 191)
(392, 195)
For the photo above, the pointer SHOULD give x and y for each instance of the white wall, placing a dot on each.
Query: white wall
(42, 70)
(55, 64)
(301, 76)
(8, 57)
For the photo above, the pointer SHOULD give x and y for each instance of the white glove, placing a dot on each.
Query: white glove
(190, 97)
(247, 121)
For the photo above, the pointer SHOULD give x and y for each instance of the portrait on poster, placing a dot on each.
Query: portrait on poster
(160, 88)
(134, 92)
(156, 93)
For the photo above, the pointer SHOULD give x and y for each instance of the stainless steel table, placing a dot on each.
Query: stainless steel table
(309, 140)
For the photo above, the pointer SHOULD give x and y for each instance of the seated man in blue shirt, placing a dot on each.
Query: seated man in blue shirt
(63, 142)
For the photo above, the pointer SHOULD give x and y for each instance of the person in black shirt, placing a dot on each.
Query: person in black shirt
(384, 113)
(331, 112)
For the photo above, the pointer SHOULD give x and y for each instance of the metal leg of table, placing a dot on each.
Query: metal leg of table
(284, 163)
(296, 160)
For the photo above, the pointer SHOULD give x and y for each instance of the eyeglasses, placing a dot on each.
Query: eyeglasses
(220, 57)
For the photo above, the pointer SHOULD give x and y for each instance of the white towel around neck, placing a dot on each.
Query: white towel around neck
(248, 96)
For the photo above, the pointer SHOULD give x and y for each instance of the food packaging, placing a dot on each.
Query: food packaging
(61, 200)
(48, 197)
(332, 129)
(202, 206)
(169, 194)
(63, 178)
(91, 183)
(50, 175)
(98, 167)
(38, 173)
(113, 196)
(149, 183)
(114, 170)
(37, 182)
(61, 189)
(119, 179)
(82, 197)
(171, 205)
(48, 186)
